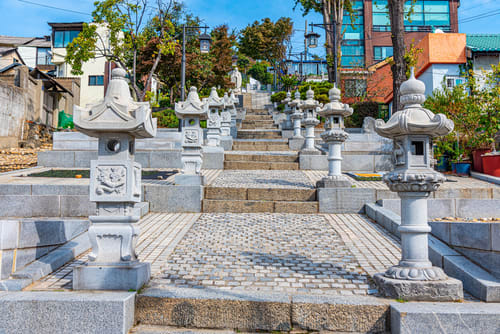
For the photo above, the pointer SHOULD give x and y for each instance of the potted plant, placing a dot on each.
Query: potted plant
(443, 147)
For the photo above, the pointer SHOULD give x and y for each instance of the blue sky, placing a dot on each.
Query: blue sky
(24, 19)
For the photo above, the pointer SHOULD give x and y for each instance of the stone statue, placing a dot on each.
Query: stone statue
(236, 79)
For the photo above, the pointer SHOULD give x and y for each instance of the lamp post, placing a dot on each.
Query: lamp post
(204, 48)
(312, 42)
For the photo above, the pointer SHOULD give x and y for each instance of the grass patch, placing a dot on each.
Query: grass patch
(85, 174)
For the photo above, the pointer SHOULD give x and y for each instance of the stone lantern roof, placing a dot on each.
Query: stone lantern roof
(214, 101)
(309, 102)
(192, 107)
(117, 113)
(228, 102)
(288, 98)
(295, 102)
(414, 119)
(335, 107)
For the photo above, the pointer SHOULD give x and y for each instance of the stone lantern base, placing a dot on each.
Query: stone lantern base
(446, 290)
(126, 277)
(334, 182)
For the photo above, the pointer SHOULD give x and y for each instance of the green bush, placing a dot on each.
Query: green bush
(166, 118)
(362, 110)
(259, 72)
(281, 107)
(319, 88)
(278, 97)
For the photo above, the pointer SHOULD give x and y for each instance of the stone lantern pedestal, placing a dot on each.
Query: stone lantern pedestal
(115, 185)
(190, 112)
(297, 141)
(334, 136)
(310, 121)
(287, 123)
(412, 130)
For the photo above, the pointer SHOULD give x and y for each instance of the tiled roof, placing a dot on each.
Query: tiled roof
(14, 41)
(6, 49)
(483, 42)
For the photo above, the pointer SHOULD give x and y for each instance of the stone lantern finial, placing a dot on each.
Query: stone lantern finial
(413, 178)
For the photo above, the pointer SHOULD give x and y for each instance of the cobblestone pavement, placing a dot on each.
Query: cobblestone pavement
(262, 179)
(265, 252)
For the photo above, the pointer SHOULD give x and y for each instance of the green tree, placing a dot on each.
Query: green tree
(129, 25)
(259, 72)
(221, 56)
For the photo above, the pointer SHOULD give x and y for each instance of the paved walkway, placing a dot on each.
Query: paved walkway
(291, 253)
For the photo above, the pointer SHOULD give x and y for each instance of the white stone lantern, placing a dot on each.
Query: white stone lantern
(231, 107)
(310, 121)
(214, 122)
(334, 135)
(287, 124)
(115, 185)
(190, 112)
(296, 116)
(413, 178)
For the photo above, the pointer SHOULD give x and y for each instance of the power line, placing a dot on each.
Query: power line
(53, 7)
(480, 16)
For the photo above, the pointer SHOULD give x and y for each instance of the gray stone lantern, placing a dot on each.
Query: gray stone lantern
(231, 107)
(115, 185)
(214, 122)
(296, 116)
(287, 124)
(413, 178)
(334, 135)
(310, 121)
(190, 112)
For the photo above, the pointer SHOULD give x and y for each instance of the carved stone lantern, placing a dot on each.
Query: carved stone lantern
(296, 116)
(334, 136)
(413, 178)
(214, 122)
(115, 185)
(310, 121)
(287, 124)
(231, 107)
(190, 112)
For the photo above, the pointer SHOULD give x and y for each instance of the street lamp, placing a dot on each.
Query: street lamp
(205, 41)
(204, 48)
(329, 29)
(312, 39)
(234, 60)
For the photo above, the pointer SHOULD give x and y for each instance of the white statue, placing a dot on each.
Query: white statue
(236, 79)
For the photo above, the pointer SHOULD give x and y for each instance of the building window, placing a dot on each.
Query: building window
(355, 87)
(382, 52)
(452, 81)
(425, 15)
(43, 56)
(96, 80)
(64, 37)
(353, 50)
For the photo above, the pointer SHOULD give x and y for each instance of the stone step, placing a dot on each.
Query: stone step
(260, 147)
(259, 127)
(249, 206)
(259, 134)
(260, 194)
(261, 157)
(258, 117)
(254, 165)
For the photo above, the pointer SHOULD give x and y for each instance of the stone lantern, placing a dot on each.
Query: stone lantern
(413, 178)
(115, 185)
(231, 107)
(214, 122)
(287, 124)
(310, 121)
(190, 112)
(296, 116)
(334, 136)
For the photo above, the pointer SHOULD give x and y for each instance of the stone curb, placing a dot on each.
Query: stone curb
(66, 312)
(485, 177)
(46, 264)
(476, 280)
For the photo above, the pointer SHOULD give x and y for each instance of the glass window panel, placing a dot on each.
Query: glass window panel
(43, 56)
(436, 7)
(380, 6)
(418, 7)
(67, 36)
(357, 19)
(352, 35)
(416, 19)
(381, 19)
(352, 61)
(73, 35)
(100, 80)
(59, 39)
(437, 19)
(382, 52)
(357, 5)
(353, 50)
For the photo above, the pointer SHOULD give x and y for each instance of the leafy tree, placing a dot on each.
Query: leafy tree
(243, 63)
(265, 40)
(259, 72)
(289, 82)
(398, 66)
(130, 24)
(333, 17)
(221, 56)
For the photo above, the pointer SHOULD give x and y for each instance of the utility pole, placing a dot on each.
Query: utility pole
(305, 43)
(335, 51)
(183, 64)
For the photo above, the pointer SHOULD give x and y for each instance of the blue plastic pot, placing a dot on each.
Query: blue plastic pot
(461, 168)
(443, 164)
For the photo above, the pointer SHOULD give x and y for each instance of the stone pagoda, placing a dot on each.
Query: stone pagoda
(115, 185)
(334, 135)
(412, 130)
(190, 112)
(308, 107)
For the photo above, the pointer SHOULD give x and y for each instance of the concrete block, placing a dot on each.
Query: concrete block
(45, 206)
(144, 158)
(66, 312)
(213, 159)
(469, 193)
(358, 163)
(386, 194)
(120, 277)
(495, 237)
(487, 259)
(83, 158)
(340, 314)
(371, 210)
(15, 189)
(425, 318)
(61, 189)
(38, 233)
(56, 159)
(166, 159)
(189, 180)
(476, 208)
(439, 208)
(173, 198)
(77, 206)
(441, 230)
(438, 250)
(7, 262)
(15, 206)
(313, 162)
(470, 235)
(9, 232)
(205, 308)
(476, 280)
(443, 290)
(296, 144)
(383, 162)
(344, 200)
(227, 143)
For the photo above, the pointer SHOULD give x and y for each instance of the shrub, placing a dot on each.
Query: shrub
(319, 88)
(362, 110)
(166, 118)
(278, 97)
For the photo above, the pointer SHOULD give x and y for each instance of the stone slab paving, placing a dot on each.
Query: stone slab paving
(160, 233)
(286, 253)
(262, 179)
